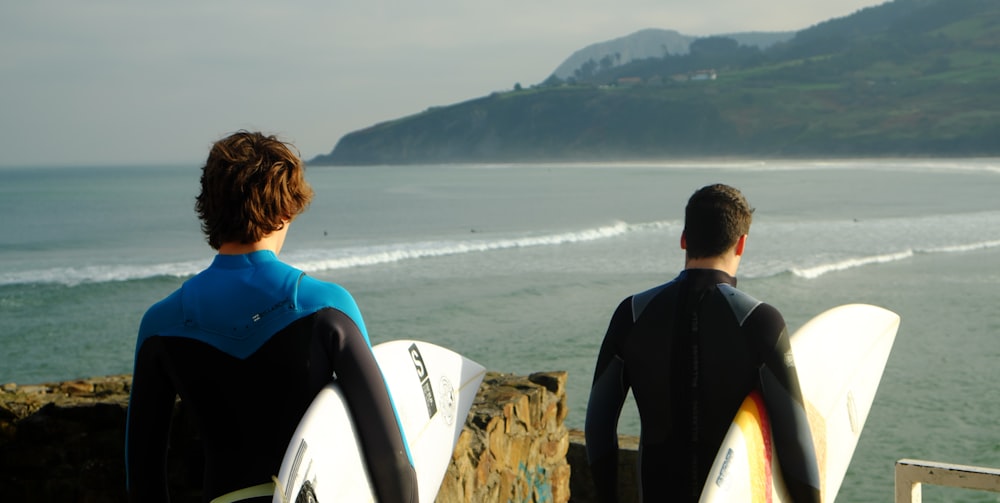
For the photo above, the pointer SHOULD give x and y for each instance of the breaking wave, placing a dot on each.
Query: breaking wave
(812, 272)
(337, 258)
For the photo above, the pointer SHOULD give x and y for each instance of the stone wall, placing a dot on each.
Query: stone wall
(514, 444)
(64, 442)
(582, 485)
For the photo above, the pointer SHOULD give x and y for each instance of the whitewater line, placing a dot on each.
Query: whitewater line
(853, 262)
(817, 271)
(329, 259)
(367, 256)
(963, 248)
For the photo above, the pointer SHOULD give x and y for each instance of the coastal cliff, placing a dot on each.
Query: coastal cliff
(65, 442)
(901, 79)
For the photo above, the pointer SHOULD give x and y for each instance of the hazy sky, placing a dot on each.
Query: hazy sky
(115, 81)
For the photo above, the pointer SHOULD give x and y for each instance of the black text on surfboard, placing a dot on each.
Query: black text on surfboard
(425, 382)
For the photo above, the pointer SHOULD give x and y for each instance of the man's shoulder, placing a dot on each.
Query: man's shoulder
(641, 300)
(165, 313)
(745, 305)
(321, 293)
(315, 294)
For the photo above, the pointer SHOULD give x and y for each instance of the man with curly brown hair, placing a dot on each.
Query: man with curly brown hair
(248, 342)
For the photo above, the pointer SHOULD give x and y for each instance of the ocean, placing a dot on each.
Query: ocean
(520, 267)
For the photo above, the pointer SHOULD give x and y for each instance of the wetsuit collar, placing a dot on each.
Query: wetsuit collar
(245, 260)
(707, 277)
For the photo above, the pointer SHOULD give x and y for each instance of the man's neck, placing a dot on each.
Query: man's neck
(726, 264)
(272, 241)
(241, 248)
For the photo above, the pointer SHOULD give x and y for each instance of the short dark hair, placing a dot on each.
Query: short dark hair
(250, 184)
(714, 219)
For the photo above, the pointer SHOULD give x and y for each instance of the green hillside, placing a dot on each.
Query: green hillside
(909, 77)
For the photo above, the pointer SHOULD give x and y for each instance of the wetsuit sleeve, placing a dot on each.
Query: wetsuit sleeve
(147, 429)
(783, 399)
(360, 379)
(607, 395)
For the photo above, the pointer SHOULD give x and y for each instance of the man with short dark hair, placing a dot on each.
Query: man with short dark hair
(691, 350)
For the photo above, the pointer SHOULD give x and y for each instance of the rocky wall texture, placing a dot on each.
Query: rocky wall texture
(582, 484)
(64, 442)
(514, 444)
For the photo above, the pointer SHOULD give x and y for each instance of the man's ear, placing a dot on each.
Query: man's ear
(741, 244)
(684, 241)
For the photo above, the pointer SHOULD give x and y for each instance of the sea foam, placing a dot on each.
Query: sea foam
(816, 271)
(336, 258)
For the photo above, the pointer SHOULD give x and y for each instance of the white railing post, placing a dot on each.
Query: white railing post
(911, 473)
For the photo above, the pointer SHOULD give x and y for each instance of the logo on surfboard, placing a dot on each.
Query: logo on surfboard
(721, 479)
(425, 382)
(449, 402)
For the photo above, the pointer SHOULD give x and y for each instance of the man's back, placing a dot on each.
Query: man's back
(712, 366)
(245, 409)
(691, 350)
(248, 385)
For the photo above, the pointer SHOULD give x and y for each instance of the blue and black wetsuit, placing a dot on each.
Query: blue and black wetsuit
(247, 344)
(691, 350)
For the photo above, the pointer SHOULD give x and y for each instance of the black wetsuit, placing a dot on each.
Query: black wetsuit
(691, 350)
(247, 344)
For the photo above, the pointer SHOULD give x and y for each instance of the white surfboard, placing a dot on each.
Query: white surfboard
(839, 356)
(433, 389)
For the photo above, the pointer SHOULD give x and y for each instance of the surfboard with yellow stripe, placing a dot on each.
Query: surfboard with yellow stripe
(840, 356)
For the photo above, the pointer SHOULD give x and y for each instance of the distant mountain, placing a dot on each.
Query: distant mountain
(908, 77)
(651, 43)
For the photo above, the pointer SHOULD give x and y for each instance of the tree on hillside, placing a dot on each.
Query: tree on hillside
(586, 70)
(552, 81)
(607, 63)
(722, 52)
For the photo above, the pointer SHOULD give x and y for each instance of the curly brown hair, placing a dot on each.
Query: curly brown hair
(714, 219)
(250, 185)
